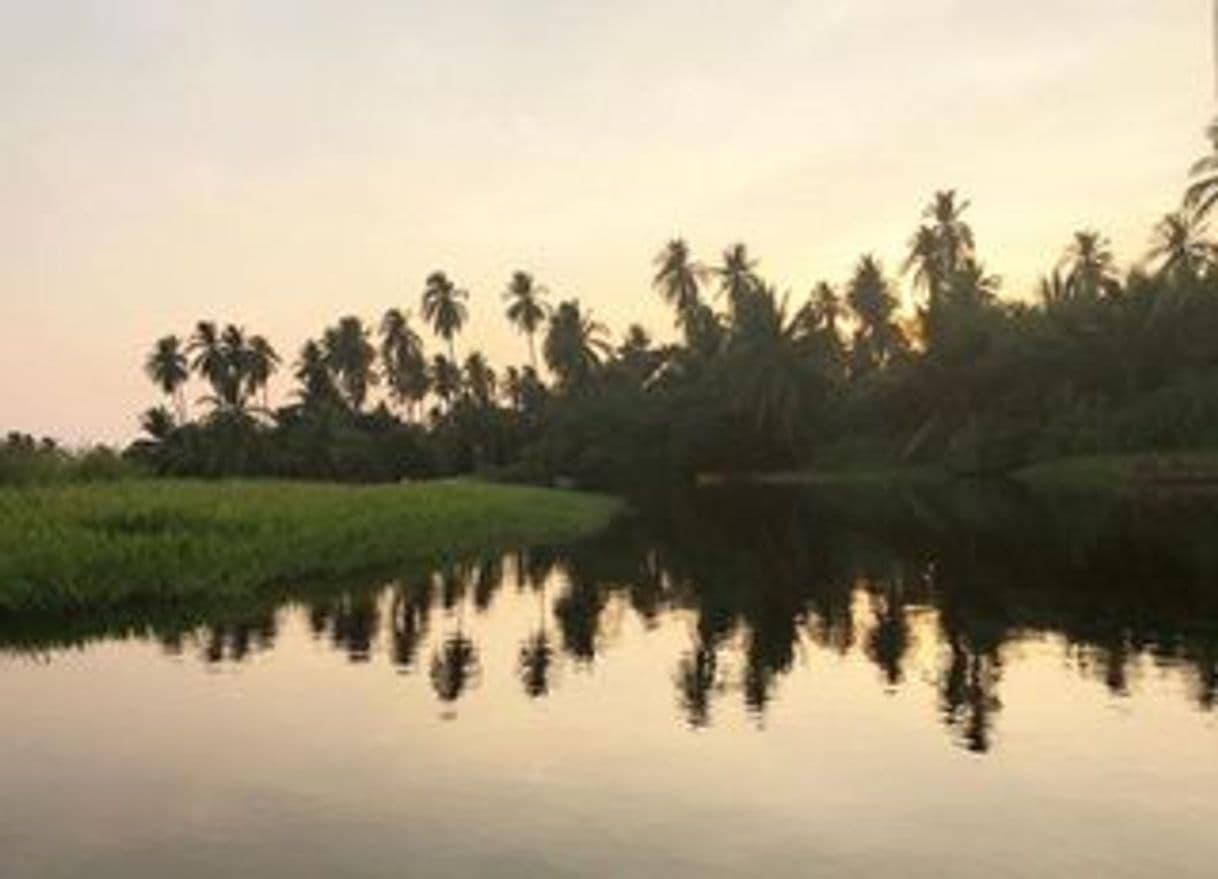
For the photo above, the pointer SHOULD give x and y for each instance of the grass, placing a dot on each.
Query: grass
(162, 541)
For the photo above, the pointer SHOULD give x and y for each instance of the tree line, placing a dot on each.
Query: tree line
(1102, 360)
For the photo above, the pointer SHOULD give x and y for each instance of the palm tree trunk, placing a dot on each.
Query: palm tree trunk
(452, 351)
(533, 346)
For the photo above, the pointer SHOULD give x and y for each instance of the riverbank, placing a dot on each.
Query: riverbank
(1154, 471)
(77, 547)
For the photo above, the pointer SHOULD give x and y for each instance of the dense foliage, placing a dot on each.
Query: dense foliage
(944, 371)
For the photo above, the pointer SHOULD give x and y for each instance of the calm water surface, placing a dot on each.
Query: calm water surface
(767, 682)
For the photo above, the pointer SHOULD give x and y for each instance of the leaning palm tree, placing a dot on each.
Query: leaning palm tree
(678, 278)
(1089, 265)
(574, 344)
(168, 368)
(444, 308)
(527, 308)
(1180, 248)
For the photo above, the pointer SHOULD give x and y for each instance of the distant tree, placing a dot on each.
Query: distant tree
(1180, 247)
(351, 358)
(167, 366)
(526, 309)
(738, 278)
(444, 308)
(262, 362)
(678, 278)
(403, 361)
(574, 344)
(1090, 267)
(878, 339)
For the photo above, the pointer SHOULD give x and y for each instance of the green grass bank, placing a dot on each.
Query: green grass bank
(102, 545)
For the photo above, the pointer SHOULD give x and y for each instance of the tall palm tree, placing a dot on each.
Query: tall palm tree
(402, 357)
(351, 357)
(527, 308)
(679, 277)
(1180, 248)
(167, 366)
(1090, 266)
(826, 307)
(574, 344)
(444, 308)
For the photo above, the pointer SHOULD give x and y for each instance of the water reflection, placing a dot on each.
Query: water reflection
(759, 578)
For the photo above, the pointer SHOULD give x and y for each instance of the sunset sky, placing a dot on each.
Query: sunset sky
(285, 162)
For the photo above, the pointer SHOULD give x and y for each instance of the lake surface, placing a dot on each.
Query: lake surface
(767, 682)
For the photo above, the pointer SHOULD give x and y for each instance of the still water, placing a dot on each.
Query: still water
(765, 682)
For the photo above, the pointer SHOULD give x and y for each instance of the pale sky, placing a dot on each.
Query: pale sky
(281, 163)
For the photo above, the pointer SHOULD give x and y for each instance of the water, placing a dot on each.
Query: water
(765, 682)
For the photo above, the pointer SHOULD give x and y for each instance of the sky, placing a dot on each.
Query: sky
(280, 164)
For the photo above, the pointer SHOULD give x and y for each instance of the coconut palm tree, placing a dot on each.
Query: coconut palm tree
(878, 339)
(738, 278)
(574, 344)
(1090, 266)
(527, 308)
(445, 379)
(209, 359)
(1180, 248)
(444, 308)
(313, 373)
(167, 366)
(402, 357)
(678, 278)
(954, 237)
(157, 422)
(262, 363)
(480, 379)
(351, 358)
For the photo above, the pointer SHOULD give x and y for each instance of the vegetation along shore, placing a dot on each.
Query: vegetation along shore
(101, 545)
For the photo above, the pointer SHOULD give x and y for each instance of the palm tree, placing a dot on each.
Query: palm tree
(317, 384)
(262, 363)
(1090, 266)
(444, 308)
(527, 309)
(1202, 192)
(738, 278)
(877, 339)
(479, 379)
(402, 357)
(826, 307)
(954, 236)
(1180, 248)
(445, 379)
(209, 359)
(678, 278)
(157, 422)
(351, 358)
(236, 355)
(168, 368)
(574, 344)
